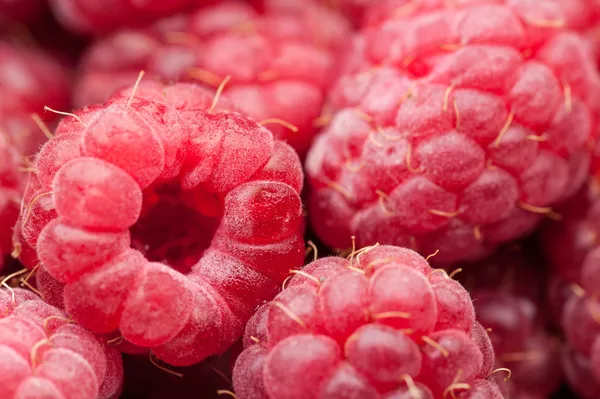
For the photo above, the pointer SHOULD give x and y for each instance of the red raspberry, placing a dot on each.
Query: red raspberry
(474, 123)
(280, 64)
(29, 80)
(166, 218)
(508, 292)
(44, 355)
(381, 324)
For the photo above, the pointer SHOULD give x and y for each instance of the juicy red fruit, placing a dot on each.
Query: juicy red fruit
(370, 326)
(454, 136)
(170, 204)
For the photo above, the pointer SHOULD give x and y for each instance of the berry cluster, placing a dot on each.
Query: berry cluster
(44, 355)
(508, 292)
(457, 130)
(381, 324)
(280, 64)
(117, 206)
(572, 246)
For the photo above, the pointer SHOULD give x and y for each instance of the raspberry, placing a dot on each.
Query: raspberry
(508, 292)
(379, 324)
(29, 80)
(454, 136)
(43, 354)
(101, 209)
(280, 64)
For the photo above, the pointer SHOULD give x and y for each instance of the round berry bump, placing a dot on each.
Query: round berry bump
(460, 138)
(249, 214)
(344, 299)
(455, 309)
(20, 334)
(381, 354)
(97, 299)
(158, 309)
(347, 382)
(71, 374)
(376, 328)
(454, 358)
(229, 150)
(37, 211)
(195, 340)
(54, 154)
(69, 252)
(403, 298)
(36, 387)
(247, 373)
(123, 138)
(89, 192)
(15, 368)
(300, 364)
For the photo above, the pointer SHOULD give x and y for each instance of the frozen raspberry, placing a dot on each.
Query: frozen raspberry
(44, 355)
(29, 80)
(280, 64)
(455, 134)
(166, 217)
(380, 324)
(508, 292)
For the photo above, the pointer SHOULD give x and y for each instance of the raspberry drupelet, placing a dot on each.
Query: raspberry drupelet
(166, 216)
(43, 354)
(280, 64)
(381, 324)
(456, 129)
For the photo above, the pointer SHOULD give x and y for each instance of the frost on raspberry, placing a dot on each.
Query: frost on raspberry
(380, 324)
(44, 354)
(453, 133)
(166, 217)
(280, 64)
